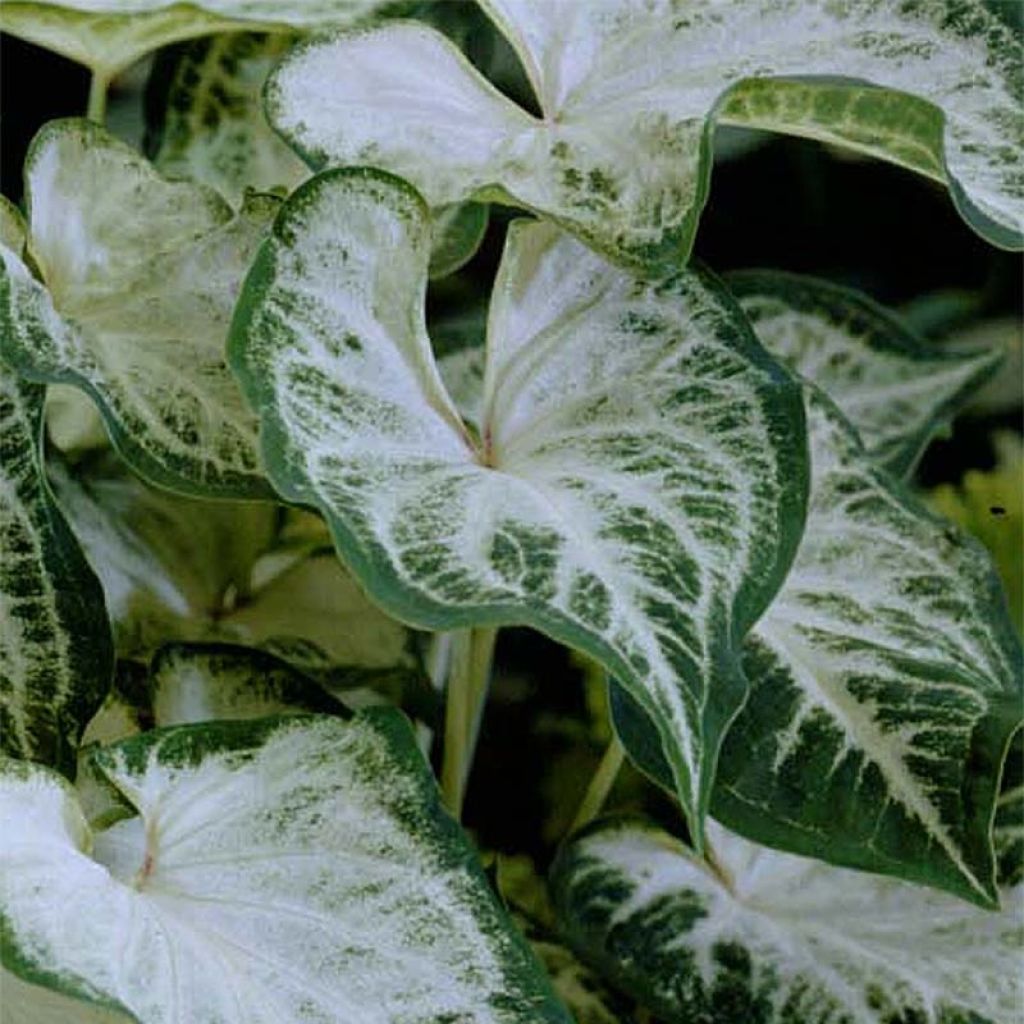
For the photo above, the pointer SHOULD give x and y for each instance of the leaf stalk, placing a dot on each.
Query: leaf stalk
(600, 785)
(472, 655)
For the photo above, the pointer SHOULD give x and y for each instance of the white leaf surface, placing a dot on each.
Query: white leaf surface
(896, 390)
(295, 869)
(629, 94)
(637, 484)
(139, 278)
(770, 937)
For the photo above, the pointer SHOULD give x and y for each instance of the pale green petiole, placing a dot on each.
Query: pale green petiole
(472, 653)
(600, 785)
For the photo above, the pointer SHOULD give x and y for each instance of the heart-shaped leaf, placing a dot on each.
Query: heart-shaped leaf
(895, 389)
(637, 486)
(56, 656)
(276, 870)
(766, 937)
(109, 35)
(630, 93)
(139, 278)
(886, 681)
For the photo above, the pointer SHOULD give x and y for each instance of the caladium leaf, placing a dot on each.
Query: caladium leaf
(285, 869)
(638, 483)
(886, 681)
(139, 277)
(769, 937)
(177, 568)
(630, 92)
(896, 390)
(207, 123)
(109, 35)
(56, 657)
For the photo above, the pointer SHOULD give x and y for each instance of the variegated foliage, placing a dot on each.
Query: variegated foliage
(56, 658)
(109, 35)
(181, 569)
(286, 869)
(896, 390)
(629, 95)
(207, 124)
(761, 937)
(636, 484)
(886, 681)
(137, 280)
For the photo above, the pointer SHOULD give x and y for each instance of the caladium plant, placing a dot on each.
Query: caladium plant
(290, 447)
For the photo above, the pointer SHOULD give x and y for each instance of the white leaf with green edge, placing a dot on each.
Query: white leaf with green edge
(109, 35)
(885, 683)
(897, 390)
(139, 278)
(197, 683)
(56, 658)
(207, 124)
(295, 869)
(637, 487)
(629, 95)
(770, 938)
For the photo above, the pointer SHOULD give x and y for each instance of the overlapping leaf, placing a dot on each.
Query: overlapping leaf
(896, 390)
(885, 685)
(139, 278)
(109, 35)
(770, 938)
(629, 95)
(207, 124)
(296, 869)
(637, 486)
(56, 658)
(182, 569)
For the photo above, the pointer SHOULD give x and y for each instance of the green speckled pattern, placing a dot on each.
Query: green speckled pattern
(637, 486)
(769, 938)
(291, 870)
(56, 655)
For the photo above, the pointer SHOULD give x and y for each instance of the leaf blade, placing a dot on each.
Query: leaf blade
(278, 870)
(56, 657)
(773, 937)
(444, 532)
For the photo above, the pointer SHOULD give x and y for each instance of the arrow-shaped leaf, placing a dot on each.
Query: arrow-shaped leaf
(276, 870)
(630, 93)
(768, 937)
(637, 486)
(886, 681)
(56, 656)
(139, 278)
